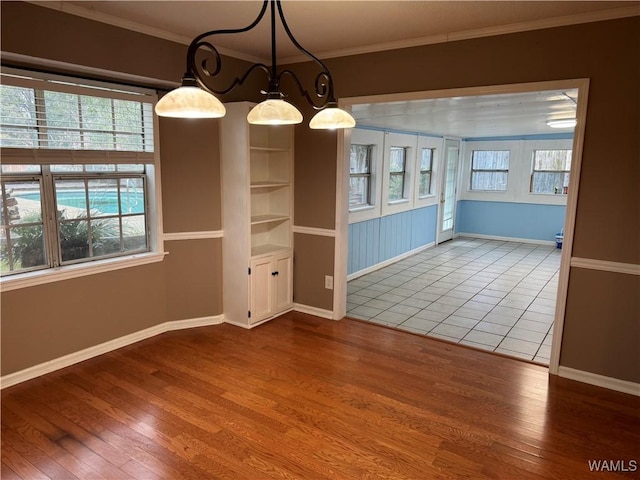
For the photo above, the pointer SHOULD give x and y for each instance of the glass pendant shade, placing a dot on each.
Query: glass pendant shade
(331, 118)
(190, 102)
(274, 112)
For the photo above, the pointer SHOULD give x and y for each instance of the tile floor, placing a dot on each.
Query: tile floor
(493, 295)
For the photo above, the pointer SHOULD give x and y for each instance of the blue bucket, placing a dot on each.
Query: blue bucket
(559, 239)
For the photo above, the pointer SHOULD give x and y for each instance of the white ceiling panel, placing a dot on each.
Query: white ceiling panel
(469, 117)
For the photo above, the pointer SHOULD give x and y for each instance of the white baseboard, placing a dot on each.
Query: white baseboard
(616, 384)
(90, 352)
(395, 259)
(506, 239)
(318, 312)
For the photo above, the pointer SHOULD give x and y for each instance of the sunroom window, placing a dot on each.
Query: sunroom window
(360, 176)
(550, 173)
(426, 170)
(77, 162)
(489, 170)
(397, 173)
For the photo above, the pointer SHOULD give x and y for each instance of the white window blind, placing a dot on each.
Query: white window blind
(47, 119)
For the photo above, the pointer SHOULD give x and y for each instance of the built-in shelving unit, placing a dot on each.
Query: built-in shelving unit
(257, 183)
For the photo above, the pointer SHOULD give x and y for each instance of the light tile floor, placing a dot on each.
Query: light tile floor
(493, 295)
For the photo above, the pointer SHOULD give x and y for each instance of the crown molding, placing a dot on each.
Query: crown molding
(590, 17)
(136, 27)
(610, 14)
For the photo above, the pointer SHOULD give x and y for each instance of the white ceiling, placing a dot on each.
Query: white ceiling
(338, 27)
(475, 116)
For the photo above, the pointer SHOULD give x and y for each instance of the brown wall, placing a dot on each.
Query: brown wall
(607, 225)
(312, 260)
(52, 320)
(190, 175)
(600, 300)
(193, 270)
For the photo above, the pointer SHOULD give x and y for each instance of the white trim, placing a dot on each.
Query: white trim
(563, 21)
(341, 237)
(172, 236)
(194, 322)
(318, 312)
(49, 275)
(378, 266)
(569, 223)
(611, 383)
(91, 352)
(589, 17)
(468, 92)
(603, 265)
(506, 239)
(252, 325)
(322, 232)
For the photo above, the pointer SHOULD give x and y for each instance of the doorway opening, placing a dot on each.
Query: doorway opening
(481, 167)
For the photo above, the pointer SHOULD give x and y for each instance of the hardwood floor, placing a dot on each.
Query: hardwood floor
(306, 398)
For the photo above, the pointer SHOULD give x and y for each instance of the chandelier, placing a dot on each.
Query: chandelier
(196, 98)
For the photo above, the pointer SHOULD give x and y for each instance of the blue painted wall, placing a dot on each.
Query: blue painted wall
(508, 219)
(379, 239)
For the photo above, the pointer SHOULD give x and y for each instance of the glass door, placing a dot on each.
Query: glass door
(447, 210)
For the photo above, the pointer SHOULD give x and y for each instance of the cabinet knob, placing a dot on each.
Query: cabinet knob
(274, 273)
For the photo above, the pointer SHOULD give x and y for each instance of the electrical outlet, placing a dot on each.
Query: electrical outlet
(328, 282)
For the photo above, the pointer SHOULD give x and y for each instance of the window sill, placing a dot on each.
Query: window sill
(362, 209)
(51, 275)
(548, 194)
(398, 202)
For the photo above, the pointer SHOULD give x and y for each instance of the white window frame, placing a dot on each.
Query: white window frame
(366, 175)
(520, 164)
(410, 144)
(44, 156)
(485, 170)
(376, 140)
(436, 145)
(528, 148)
(513, 184)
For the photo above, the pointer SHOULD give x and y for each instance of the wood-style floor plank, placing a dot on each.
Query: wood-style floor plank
(307, 398)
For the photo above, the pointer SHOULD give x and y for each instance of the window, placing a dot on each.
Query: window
(360, 176)
(100, 214)
(489, 170)
(77, 159)
(397, 173)
(550, 171)
(426, 168)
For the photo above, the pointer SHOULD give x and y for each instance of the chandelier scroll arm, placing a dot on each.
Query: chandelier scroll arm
(192, 72)
(321, 89)
(238, 81)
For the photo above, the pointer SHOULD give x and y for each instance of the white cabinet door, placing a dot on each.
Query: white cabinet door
(261, 289)
(283, 294)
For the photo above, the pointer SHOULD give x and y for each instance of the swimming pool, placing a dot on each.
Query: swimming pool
(104, 202)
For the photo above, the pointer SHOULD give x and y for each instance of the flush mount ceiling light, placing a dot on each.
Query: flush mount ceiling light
(562, 123)
(196, 97)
